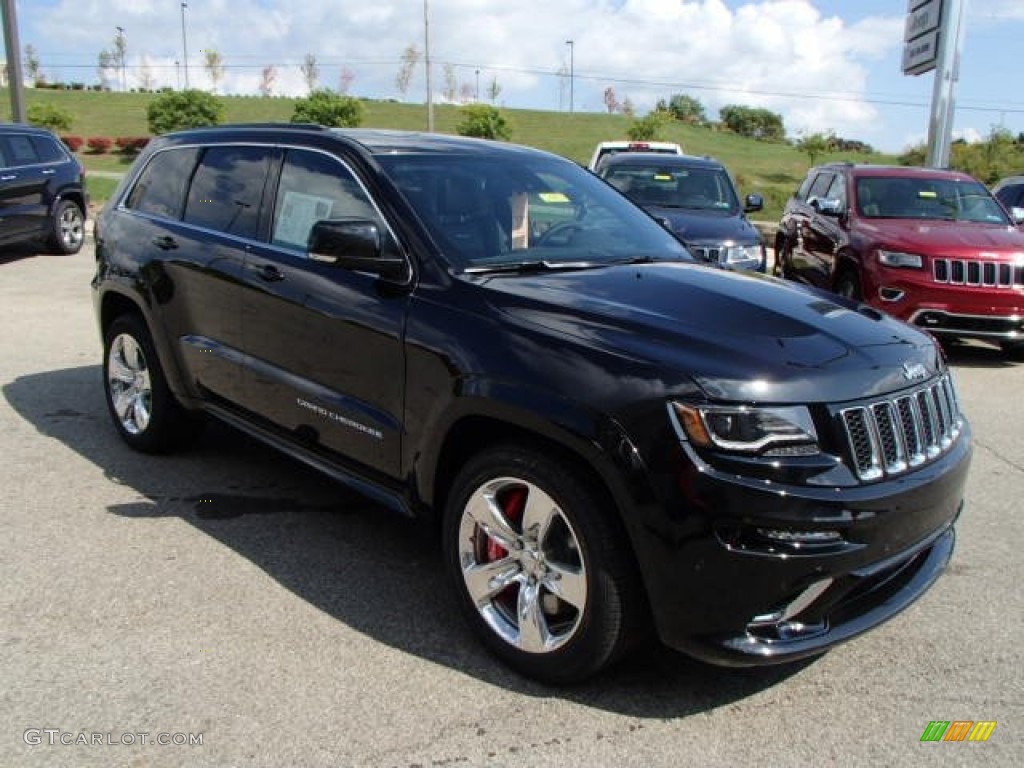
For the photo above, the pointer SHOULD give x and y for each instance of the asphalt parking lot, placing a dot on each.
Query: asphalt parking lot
(233, 597)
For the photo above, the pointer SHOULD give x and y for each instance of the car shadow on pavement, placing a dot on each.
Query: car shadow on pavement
(378, 573)
(976, 354)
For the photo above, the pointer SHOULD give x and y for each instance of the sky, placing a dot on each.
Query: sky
(824, 65)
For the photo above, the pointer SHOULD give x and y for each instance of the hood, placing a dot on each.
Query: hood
(707, 227)
(740, 336)
(945, 238)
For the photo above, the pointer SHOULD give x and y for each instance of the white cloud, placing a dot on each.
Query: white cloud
(784, 55)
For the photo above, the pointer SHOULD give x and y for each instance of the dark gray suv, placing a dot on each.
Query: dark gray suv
(42, 190)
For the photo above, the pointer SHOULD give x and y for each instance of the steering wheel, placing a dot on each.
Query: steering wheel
(560, 234)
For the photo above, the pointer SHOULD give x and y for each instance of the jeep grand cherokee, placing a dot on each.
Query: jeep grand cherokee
(608, 436)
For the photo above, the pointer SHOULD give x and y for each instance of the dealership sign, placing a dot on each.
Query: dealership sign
(921, 35)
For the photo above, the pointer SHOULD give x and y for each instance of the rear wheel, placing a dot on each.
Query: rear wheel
(1013, 350)
(67, 229)
(144, 411)
(542, 574)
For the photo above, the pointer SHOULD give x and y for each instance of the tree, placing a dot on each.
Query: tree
(310, 72)
(686, 109)
(107, 66)
(267, 79)
(120, 51)
(410, 58)
(647, 128)
(345, 79)
(611, 101)
(325, 107)
(451, 83)
(32, 63)
(482, 121)
(493, 90)
(627, 107)
(753, 122)
(815, 145)
(50, 116)
(146, 79)
(214, 67)
(175, 110)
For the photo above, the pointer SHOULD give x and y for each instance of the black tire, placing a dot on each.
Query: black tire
(581, 553)
(144, 411)
(67, 228)
(848, 285)
(1014, 350)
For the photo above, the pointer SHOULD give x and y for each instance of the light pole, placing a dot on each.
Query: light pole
(426, 60)
(121, 48)
(571, 74)
(15, 77)
(184, 42)
(477, 85)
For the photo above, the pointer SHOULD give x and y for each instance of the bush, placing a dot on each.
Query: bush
(647, 128)
(130, 145)
(74, 143)
(482, 121)
(183, 109)
(325, 107)
(99, 145)
(50, 116)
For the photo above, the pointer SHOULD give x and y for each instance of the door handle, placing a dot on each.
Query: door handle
(165, 243)
(270, 273)
(8, 178)
(49, 172)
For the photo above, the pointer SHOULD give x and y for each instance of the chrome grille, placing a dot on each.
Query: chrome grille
(982, 274)
(888, 437)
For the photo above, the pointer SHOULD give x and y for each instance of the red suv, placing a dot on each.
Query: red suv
(932, 247)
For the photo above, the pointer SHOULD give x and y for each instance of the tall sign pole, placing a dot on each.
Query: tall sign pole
(15, 77)
(426, 61)
(933, 39)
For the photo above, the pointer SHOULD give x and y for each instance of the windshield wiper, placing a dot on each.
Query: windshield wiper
(524, 267)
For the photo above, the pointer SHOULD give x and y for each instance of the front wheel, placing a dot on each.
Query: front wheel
(143, 409)
(848, 285)
(1014, 350)
(67, 229)
(541, 571)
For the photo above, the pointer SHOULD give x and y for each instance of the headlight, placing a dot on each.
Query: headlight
(898, 259)
(741, 253)
(748, 429)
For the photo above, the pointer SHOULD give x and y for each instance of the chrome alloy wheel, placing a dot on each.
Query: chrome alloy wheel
(131, 392)
(522, 565)
(71, 227)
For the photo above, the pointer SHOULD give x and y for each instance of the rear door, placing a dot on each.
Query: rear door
(325, 359)
(23, 180)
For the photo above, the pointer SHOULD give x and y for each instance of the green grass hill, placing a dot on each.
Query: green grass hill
(772, 169)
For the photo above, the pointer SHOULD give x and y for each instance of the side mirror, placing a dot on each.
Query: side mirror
(827, 206)
(354, 244)
(752, 203)
(1017, 214)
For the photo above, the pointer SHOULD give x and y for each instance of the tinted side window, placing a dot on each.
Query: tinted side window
(227, 190)
(1010, 196)
(47, 150)
(18, 150)
(313, 187)
(160, 190)
(805, 185)
(837, 190)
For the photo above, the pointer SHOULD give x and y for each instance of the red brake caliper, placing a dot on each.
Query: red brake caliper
(512, 503)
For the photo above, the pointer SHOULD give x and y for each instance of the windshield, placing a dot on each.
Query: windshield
(889, 197)
(485, 210)
(702, 189)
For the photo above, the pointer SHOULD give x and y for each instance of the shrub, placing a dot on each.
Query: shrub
(130, 145)
(50, 116)
(183, 109)
(647, 128)
(482, 121)
(74, 143)
(99, 145)
(328, 108)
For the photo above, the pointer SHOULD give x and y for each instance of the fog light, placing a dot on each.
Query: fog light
(801, 537)
(890, 294)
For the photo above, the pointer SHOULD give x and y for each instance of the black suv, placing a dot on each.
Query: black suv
(696, 198)
(42, 190)
(607, 434)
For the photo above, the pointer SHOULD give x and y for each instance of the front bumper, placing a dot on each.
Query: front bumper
(728, 587)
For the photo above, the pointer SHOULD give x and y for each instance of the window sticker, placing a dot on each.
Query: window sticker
(298, 213)
(553, 197)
